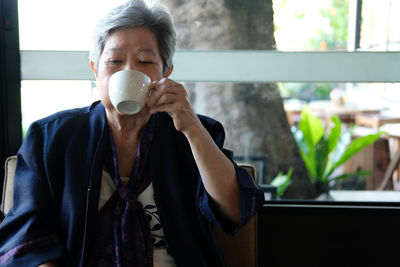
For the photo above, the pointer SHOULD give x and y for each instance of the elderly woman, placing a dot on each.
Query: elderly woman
(95, 187)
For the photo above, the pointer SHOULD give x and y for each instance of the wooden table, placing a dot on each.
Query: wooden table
(346, 113)
(325, 109)
(375, 120)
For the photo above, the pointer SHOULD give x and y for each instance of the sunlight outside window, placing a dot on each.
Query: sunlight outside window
(311, 29)
(60, 24)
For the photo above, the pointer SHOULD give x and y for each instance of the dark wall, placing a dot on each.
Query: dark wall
(328, 235)
(10, 74)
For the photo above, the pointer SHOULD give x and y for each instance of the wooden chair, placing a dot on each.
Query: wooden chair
(378, 157)
(242, 248)
(238, 250)
(393, 132)
(390, 124)
(8, 192)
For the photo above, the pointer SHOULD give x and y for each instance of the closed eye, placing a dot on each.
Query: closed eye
(145, 62)
(114, 61)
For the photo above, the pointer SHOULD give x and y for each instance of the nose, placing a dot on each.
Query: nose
(134, 65)
(130, 65)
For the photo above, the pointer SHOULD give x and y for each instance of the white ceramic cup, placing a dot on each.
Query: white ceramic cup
(128, 90)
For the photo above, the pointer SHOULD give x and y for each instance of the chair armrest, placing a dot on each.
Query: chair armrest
(242, 248)
(8, 186)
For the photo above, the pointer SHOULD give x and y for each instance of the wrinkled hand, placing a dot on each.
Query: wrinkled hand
(216, 170)
(171, 97)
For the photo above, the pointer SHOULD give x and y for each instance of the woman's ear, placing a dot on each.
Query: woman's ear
(93, 68)
(170, 71)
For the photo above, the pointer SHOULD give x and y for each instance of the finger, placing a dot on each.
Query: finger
(170, 99)
(153, 86)
(152, 89)
(171, 104)
(164, 87)
(171, 109)
(156, 88)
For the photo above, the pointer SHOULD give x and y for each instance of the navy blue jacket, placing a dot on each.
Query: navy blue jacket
(57, 186)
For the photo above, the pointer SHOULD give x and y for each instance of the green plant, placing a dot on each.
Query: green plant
(282, 181)
(323, 152)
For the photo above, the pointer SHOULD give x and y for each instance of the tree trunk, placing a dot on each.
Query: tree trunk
(253, 115)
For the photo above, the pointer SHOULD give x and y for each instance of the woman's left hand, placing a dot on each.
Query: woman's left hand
(171, 97)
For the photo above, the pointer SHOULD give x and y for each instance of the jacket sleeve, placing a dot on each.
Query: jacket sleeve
(28, 234)
(251, 196)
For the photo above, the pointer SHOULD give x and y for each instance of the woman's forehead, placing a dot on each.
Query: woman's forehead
(140, 38)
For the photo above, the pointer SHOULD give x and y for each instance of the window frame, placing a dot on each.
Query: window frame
(234, 66)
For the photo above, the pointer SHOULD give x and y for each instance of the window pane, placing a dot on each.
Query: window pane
(311, 25)
(255, 128)
(60, 24)
(380, 30)
(299, 25)
(42, 98)
(363, 108)
(258, 117)
(248, 112)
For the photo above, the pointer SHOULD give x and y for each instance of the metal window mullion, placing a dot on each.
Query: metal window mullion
(234, 66)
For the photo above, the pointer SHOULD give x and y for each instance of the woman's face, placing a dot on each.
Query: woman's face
(128, 49)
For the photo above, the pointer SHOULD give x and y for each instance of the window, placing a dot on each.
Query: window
(311, 25)
(380, 31)
(59, 24)
(227, 55)
(41, 98)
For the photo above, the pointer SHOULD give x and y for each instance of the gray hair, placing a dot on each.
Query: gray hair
(136, 13)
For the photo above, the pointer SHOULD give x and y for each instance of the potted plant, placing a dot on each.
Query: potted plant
(282, 182)
(324, 148)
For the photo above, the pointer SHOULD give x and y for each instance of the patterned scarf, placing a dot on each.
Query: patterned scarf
(126, 239)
